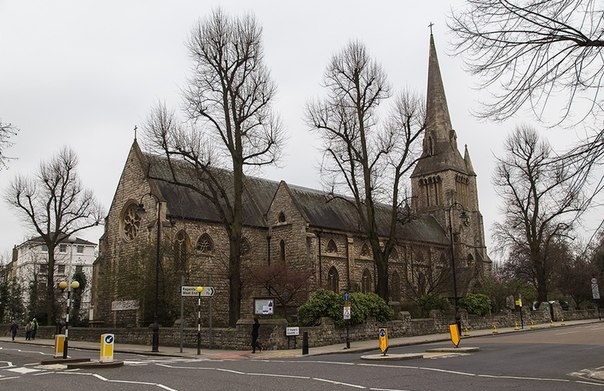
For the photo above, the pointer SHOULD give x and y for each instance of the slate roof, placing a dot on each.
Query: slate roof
(315, 206)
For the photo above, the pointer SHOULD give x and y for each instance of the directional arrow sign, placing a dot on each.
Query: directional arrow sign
(206, 291)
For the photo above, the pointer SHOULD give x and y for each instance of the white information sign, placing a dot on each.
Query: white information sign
(595, 291)
(124, 305)
(347, 313)
(263, 306)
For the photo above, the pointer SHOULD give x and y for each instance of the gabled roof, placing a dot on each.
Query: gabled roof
(185, 202)
(319, 210)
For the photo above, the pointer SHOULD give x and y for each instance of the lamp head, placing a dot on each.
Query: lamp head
(199, 289)
(140, 209)
(63, 285)
(75, 285)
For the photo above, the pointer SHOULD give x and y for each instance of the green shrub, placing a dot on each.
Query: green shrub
(324, 303)
(476, 303)
(428, 303)
(374, 305)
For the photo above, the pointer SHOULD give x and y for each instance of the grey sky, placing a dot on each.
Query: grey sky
(83, 74)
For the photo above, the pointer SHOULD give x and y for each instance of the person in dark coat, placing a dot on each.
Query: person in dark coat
(255, 329)
(13, 329)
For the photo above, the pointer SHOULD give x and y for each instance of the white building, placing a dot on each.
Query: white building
(30, 264)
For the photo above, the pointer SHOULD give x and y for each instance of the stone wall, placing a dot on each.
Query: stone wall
(272, 331)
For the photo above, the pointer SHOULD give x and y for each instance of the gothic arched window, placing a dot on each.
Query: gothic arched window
(281, 217)
(181, 247)
(365, 251)
(366, 281)
(395, 287)
(333, 280)
(131, 222)
(282, 250)
(205, 244)
(245, 246)
(331, 246)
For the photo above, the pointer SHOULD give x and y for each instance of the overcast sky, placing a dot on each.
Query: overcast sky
(84, 73)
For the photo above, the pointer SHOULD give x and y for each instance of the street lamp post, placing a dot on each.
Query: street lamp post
(155, 327)
(199, 289)
(462, 215)
(70, 287)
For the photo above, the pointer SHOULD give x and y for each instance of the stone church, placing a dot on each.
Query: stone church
(143, 260)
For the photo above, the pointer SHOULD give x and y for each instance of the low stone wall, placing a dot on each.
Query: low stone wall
(272, 331)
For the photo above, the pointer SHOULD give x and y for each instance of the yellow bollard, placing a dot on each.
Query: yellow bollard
(516, 327)
(551, 323)
(532, 324)
(466, 333)
(562, 322)
(494, 329)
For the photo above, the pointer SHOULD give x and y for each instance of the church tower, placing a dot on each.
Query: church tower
(444, 182)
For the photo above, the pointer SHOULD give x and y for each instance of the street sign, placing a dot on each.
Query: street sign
(383, 339)
(454, 333)
(106, 353)
(346, 296)
(595, 291)
(347, 313)
(206, 291)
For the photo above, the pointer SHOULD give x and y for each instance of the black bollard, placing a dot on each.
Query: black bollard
(305, 342)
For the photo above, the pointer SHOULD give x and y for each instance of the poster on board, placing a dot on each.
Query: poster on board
(263, 306)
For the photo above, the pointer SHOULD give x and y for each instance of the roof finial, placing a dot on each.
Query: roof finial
(135, 128)
(430, 25)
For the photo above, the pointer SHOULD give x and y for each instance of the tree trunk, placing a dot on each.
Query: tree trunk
(235, 247)
(51, 305)
(381, 264)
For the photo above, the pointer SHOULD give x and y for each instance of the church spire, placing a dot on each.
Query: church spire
(440, 151)
(437, 111)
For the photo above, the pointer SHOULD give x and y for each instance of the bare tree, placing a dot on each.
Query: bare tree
(288, 287)
(6, 132)
(364, 157)
(544, 55)
(532, 50)
(541, 200)
(230, 124)
(55, 206)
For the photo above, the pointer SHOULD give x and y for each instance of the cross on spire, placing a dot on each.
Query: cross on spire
(430, 25)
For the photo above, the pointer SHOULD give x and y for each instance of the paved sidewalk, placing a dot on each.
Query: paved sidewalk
(355, 346)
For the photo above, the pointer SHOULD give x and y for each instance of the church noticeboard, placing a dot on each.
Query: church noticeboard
(264, 306)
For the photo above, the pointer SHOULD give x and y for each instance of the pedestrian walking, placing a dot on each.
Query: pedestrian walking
(28, 331)
(13, 329)
(255, 332)
(34, 328)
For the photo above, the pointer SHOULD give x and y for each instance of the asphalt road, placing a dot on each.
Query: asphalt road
(549, 359)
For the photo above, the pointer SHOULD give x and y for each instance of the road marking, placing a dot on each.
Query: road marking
(279, 375)
(22, 370)
(9, 377)
(107, 380)
(338, 383)
(386, 389)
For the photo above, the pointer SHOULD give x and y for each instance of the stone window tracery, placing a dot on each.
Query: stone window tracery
(205, 244)
(331, 247)
(131, 222)
(365, 252)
